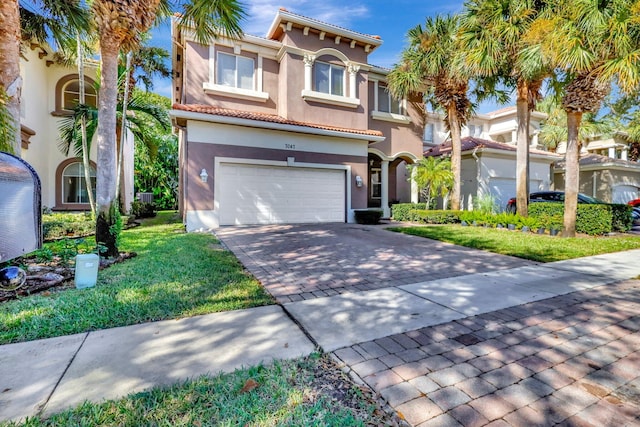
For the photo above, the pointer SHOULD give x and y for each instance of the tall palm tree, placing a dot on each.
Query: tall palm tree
(594, 44)
(492, 38)
(120, 25)
(428, 66)
(54, 19)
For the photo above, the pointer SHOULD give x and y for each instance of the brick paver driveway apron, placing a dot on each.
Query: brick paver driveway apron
(296, 262)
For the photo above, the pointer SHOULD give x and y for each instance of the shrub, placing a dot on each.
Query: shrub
(143, 209)
(400, 211)
(591, 219)
(435, 217)
(368, 216)
(58, 225)
(621, 217)
(485, 204)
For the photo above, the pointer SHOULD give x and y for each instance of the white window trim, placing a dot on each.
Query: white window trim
(308, 94)
(385, 116)
(212, 88)
(325, 98)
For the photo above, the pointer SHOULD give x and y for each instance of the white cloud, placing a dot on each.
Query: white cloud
(261, 12)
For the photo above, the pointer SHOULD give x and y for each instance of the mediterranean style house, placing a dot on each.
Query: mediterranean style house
(49, 93)
(293, 127)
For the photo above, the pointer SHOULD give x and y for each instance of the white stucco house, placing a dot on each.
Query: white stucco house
(49, 93)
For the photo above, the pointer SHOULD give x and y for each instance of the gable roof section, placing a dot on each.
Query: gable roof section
(596, 162)
(215, 114)
(284, 16)
(469, 143)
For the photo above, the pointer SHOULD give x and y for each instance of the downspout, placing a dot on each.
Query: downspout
(478, 169)
(595, 177)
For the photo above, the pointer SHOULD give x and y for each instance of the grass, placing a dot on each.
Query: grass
(174, 275)
(287, 393)
(543, 248)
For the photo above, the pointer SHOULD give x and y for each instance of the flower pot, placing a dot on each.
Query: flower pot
(464, 223)
(474, 223)
(525, 229)
(554, 232)
(499, 226)
(540, 230)
(511, 226)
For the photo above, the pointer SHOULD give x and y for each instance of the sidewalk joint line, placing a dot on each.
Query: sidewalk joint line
(55, 387)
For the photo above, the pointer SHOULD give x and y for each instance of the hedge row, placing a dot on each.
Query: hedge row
(591, 219)
(435, 216)
(402, 211)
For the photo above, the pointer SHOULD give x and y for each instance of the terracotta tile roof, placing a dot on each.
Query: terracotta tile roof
(271, 118)
(469, 143)
(502, 111)
(597, 159)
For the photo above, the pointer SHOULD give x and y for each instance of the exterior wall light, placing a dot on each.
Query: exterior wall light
(204, 175)
(358, 181)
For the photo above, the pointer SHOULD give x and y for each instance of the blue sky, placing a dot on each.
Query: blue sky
(389, 19)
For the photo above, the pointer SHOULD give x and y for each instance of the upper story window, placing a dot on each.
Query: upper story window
(475, 130)
(235, 71)
(67, 94)
(329, 78)
(387, 103)
(428, 132)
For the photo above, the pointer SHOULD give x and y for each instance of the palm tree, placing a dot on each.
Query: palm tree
(492, 38)
(433, 176)
(594, 44)
(55, 20)
(120, 25)
(428, 66)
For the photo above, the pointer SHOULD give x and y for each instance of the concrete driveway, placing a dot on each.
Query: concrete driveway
(300, 262)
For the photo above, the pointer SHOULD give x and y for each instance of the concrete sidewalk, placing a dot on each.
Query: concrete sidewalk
(347, 319)
(47, 376)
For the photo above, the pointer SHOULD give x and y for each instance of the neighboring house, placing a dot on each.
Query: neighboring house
(293, 127)
(500, 126)
(49, 92)
(615, 146)
(488, 167)
(612, 180)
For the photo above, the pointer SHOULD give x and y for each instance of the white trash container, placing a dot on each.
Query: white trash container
(86, 270)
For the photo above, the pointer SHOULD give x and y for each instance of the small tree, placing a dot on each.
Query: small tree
(434, 177)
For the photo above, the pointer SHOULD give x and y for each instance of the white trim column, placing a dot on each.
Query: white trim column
(353, 81)
(612, 152)
(308, 70)
(415, 192)
(384, 188)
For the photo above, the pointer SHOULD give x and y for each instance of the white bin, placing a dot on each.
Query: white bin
(86, 270)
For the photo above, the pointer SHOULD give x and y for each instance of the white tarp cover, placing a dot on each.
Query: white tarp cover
(20, 208)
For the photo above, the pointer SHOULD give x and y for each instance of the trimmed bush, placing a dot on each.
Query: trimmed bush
(621, 217)
(400, 211)
(368, 216)
(143, 209)
(435, 217)
(58, 225)
(591, 219)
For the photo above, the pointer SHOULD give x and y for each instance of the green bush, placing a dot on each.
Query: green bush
(400, 211)
(591, 219)
(58, 225)
(435, 217)
(143, 209)
(621, 217)
(368, 216)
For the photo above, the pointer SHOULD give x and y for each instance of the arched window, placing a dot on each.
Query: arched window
(71, 190)
(68, 94)
(329, 78)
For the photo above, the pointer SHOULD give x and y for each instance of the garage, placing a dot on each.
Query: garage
(257, 194)
(624, 193)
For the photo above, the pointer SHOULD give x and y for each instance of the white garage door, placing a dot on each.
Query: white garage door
(251, 194)
(624, 193)
(502, 189)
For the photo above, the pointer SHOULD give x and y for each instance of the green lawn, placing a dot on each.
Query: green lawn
(174, 275)
(288, 393)
(530, 246)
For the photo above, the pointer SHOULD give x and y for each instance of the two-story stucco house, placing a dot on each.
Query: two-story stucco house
(49, 93)
(293, 127)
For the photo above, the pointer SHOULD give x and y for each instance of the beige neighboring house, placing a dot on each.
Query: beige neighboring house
(49, 92)
(609, 179)
(293, 127)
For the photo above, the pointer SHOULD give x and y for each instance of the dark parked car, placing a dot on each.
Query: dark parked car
(551, 196)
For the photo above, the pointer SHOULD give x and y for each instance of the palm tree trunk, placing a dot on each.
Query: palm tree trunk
(571, 174)
(107, 205)
(456, 155)
(123, 128)
(83, 128)
(522, 150)
(10, 80)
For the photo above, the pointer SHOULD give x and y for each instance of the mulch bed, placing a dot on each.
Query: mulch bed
(52, 276)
